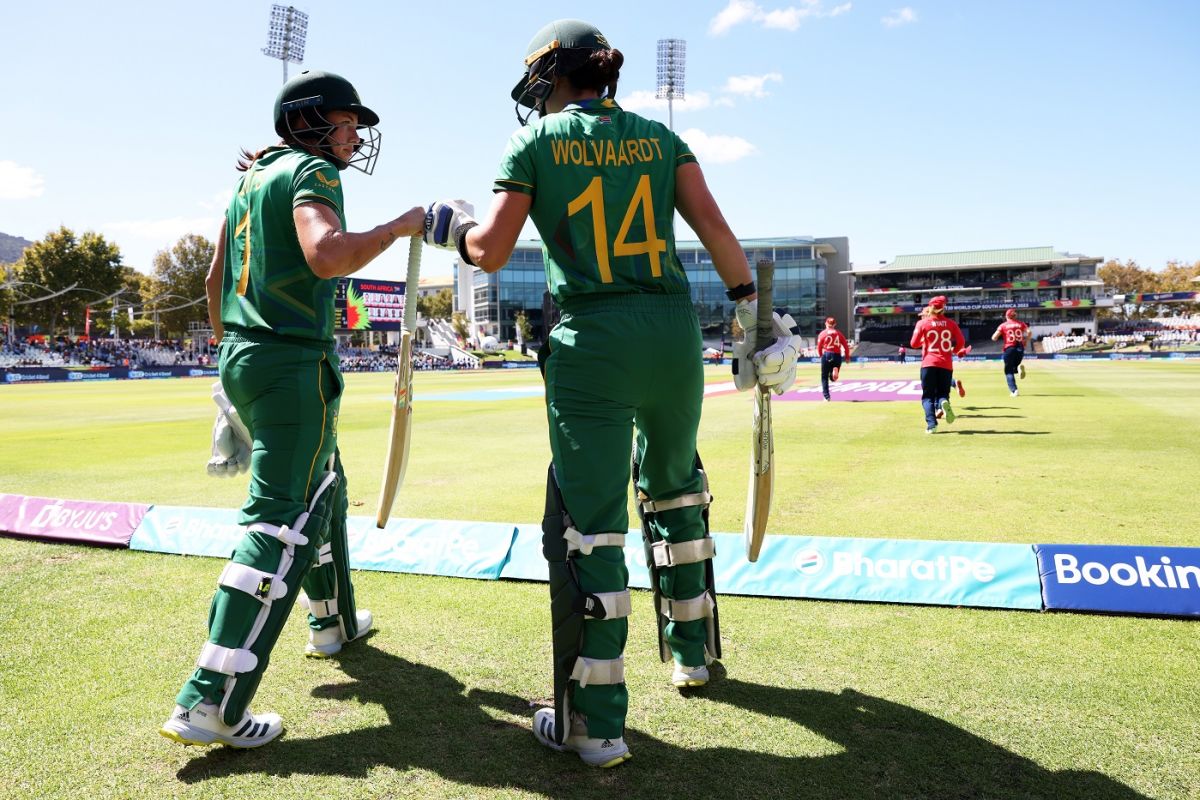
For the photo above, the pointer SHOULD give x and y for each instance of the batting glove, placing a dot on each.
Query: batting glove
(231, 443)
(446, 221)
(746, 314)
(776, 363)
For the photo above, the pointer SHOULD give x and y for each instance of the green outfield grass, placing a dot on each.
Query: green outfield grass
(821, 699)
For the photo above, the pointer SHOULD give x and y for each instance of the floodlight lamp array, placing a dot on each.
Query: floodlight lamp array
(672, 60)
(286, 34)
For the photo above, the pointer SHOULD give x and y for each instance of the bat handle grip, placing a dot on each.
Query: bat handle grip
(765, 278)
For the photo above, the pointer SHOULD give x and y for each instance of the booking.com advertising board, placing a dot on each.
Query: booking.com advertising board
(1121, 579)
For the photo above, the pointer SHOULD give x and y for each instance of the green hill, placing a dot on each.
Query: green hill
(11, 248)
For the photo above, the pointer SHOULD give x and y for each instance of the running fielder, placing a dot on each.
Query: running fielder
(1016, 335)
(831, 344)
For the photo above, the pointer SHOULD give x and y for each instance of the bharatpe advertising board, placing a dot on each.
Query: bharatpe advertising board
(886, 570)
(1121, 579)
(83, 521)
(362, 305)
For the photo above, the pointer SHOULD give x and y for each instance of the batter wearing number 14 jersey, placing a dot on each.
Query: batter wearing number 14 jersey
(939, 339)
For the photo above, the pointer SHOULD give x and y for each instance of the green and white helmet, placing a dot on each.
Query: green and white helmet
(314, 94)
(555, 50)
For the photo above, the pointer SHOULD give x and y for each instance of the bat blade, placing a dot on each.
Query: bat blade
(762, 475)
(400, 430)
(399, 435)
(762, 453)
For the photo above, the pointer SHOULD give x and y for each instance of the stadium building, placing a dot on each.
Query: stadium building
(810, 283)
(1055, 293)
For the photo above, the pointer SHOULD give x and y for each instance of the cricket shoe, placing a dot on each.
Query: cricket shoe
(689, 677)
(962, 390)
(931, 429)
(601, 753)
(202, 726)
(947, 410)
(328, 642)
(1015, 393)
(939, 414)
(1022, 368)
(833, 376)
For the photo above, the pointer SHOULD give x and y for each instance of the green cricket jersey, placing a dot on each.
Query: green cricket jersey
(267, 284)
(603, 187)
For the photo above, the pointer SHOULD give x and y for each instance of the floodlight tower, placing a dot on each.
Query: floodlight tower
(672, 58)
(285, 36)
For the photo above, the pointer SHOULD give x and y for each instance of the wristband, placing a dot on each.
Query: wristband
(460, 241)
(738, 292)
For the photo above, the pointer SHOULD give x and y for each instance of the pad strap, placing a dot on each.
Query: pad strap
(325, 554)
(263, 586)
(614, 605)
(599, 671)
(283, 533)
(584, 542)
(226, 660)
(696, 499)
(687, 610)
(668, 555)
(323, 608)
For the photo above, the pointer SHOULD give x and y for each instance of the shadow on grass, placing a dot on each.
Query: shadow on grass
(1001, 433)
(990, 416)
(886, 749)
(989, 408)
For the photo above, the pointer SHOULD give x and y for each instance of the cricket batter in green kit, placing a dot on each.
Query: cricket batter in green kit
(602, 186)
(281, 249)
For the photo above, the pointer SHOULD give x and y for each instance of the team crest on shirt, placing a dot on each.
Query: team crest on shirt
(604, 120)
(332, 184)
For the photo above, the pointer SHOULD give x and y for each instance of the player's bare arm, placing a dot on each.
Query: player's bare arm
(334, 253)
(212, 286)
(491, 243)
(699, 210)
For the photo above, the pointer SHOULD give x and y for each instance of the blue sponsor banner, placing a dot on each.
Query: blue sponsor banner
(881, 570)
(884, 570)
(1123, 579)
(431, 547)
(427, 547)
(187, 530)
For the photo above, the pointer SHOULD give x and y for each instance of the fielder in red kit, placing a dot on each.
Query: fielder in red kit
(939, 339)
(831, 344)
(1016, 335)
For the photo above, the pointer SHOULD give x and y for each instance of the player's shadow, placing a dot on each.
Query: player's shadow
(989, 408)
(990, 416)
(881, 749)
(1000, 433)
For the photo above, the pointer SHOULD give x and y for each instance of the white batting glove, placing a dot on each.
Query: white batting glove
(231, 444)
(744, 375)
(775, 365)
(446, 221)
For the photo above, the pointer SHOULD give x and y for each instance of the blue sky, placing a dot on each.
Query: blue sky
(926, 127)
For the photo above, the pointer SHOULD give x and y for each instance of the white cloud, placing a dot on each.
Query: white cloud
(750, 85)
(19, 183)
(789, 19)
(219, 201)
(711, 149)
(900, 16)
(642, 100)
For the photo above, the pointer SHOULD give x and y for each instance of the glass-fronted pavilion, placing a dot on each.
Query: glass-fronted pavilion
(810, 283)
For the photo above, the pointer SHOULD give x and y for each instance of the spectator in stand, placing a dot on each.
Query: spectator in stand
(831, 344)
(939, 339)
(1016, 335)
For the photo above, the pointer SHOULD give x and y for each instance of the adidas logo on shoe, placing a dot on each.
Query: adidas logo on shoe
(184, 716)
(606, 743)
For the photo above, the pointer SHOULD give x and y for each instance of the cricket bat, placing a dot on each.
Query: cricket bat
(400, 434)
(762, 453)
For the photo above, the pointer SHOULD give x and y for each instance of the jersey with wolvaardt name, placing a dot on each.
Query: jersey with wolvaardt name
(1013, 331)
(267, 284)
(832, 341)
(603, 187)
(939, 339)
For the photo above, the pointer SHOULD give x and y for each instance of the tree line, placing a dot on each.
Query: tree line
(1128, 278)
(68, 274)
